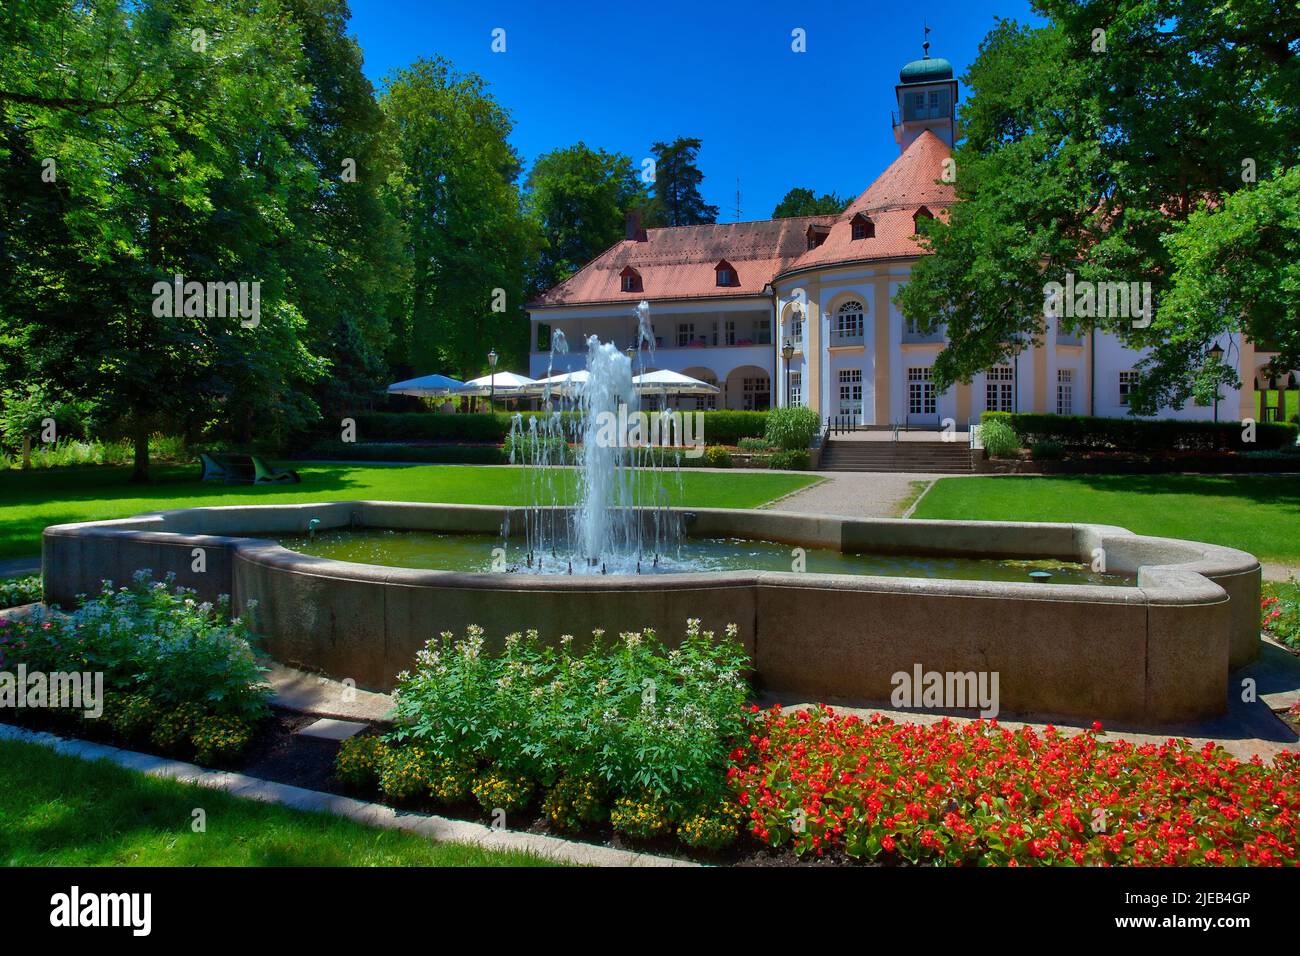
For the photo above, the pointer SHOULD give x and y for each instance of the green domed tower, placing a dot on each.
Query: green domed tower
(927, 99)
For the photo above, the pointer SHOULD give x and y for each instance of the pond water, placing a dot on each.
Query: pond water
(432, 550)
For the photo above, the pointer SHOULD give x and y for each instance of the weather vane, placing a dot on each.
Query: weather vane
(925, 47)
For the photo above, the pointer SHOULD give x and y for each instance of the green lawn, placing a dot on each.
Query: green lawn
(64, 811)
(31, 500)
(1256, 513)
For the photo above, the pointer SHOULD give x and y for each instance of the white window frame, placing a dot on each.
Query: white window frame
(1000, 388)
(920, 391)
(685, 334)
(1127, 380)
(796, 389)
(850, 382)
(1065, 391)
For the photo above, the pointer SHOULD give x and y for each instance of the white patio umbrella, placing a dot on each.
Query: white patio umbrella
(427, 386)
(556, 384)
(506, 384)
(666, 382)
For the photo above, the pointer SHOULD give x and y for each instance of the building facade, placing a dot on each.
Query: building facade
(726, 298)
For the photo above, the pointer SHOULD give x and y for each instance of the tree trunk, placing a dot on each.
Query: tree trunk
(141, 471)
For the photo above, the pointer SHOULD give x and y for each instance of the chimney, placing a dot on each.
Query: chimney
(633, 230)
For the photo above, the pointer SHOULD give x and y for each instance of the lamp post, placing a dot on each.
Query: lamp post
(787, 353)
(492, 380)
(1215, 355)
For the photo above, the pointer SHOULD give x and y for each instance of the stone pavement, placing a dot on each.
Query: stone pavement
(855, 494)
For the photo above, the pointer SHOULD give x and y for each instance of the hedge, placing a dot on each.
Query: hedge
(1143, 435)
(720, 427)
(397, 451)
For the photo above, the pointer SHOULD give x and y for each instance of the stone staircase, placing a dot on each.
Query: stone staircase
(936, 457)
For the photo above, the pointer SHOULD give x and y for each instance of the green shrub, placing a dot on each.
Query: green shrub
(727, 427)
(754, 444)
(359, 760)
(16, 591)
(792, 428)
(1280, 607)
(1140, 435)
(161, 652)
(1046, 450)
(792, 460)
(645, 721)
(397, 451)
(999, 438)
(715, 456)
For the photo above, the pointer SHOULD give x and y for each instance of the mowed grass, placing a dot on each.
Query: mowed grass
(63, 811)
(1256, 513)
(29, 501)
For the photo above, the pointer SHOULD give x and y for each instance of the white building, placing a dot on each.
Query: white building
(725, 298)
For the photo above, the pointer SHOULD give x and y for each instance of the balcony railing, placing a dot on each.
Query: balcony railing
(846, 337)
(914, 337)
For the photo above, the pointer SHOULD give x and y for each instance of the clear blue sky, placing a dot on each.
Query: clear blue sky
(621, 75)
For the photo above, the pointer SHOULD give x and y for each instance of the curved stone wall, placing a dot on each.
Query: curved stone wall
(1158, 651)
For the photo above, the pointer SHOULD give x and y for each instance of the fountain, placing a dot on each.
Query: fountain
(827, 606)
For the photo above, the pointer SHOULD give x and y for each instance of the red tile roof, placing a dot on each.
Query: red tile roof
(678, 262)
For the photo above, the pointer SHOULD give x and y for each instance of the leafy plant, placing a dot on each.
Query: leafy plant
(791, 460)
(24, 590)
(793, 427)
(999, 439)
(715, 456)
(631, 720)
(1280, 606)
(168, 661)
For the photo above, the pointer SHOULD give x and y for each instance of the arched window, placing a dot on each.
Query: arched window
(849, 320)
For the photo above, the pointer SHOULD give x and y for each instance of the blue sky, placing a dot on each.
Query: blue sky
(621, 75)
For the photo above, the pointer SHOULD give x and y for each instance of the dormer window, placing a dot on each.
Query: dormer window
(863, 227)
(725, 273)
(919, 216)
(817, 235)
(630, 279)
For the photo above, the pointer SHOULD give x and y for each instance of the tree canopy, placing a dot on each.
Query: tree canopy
(579, 198)
(677, 198)
(804, 202)
(1111, 144)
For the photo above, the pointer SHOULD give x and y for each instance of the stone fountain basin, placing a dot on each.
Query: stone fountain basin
(1159, 651)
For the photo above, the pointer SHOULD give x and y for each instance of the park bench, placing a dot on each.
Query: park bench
(244, 470)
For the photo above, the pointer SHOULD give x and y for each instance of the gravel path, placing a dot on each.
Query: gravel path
(856, 494)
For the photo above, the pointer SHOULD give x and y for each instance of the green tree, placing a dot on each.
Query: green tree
(170, 124)
(579, 198)
(465, 232)
(348, 263)
(803, 202)
(1084, 150)
(677, 199)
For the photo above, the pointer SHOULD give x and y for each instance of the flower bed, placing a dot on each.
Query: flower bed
(629, 734)
(16, 591)
(981, 794)
(176, 672)
(1280, 607)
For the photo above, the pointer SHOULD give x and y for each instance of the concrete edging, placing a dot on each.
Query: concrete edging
(1157, 651)
(435, 828)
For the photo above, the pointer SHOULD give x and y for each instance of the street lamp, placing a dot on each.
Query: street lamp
(787, 353)
(492, 380)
